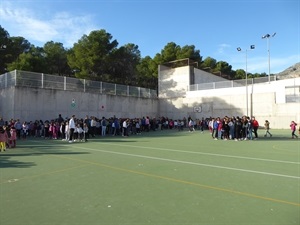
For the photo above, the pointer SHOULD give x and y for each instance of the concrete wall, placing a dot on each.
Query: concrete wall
(31, 104)
(265, 100)
(173, 82)
(205, 77)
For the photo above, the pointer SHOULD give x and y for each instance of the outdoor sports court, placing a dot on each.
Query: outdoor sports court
(159, 178)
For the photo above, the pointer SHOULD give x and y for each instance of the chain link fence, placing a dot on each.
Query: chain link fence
(292, 92)
(45, 81)
(19, 78)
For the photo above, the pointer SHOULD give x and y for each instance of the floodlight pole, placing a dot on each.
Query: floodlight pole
(268, 36)
(246, 73)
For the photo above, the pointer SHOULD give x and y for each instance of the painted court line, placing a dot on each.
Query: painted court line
(190, 163)
(199, 153)
(185, 182)
(205, 153)
(169, 178)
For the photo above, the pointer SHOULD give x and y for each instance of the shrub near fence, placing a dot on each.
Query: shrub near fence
(19, 78)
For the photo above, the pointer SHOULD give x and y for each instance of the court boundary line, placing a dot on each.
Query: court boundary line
(183, 162)
(159, 176)
(183, 181)
(199, 153)
(190, 163)
(205, 153)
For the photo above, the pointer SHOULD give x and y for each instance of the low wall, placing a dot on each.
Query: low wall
(34, 103)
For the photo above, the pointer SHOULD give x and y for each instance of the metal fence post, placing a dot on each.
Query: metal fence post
(83, 85)
(5, 76)
(65, 83)
(42, 80)
(15, 73)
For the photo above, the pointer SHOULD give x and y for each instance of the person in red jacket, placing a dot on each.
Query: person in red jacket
(255, 126)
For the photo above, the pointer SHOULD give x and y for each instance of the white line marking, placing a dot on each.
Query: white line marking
(200, 153)
(190, 163)
(204, 153)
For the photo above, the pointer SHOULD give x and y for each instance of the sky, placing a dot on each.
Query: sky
(215, 27)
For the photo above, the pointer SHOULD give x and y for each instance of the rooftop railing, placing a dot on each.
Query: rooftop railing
(234, 83)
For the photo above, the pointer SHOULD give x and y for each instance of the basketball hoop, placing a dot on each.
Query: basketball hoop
(197, 109)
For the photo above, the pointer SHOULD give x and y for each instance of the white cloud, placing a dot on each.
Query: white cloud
(222, 47)
(61, 27)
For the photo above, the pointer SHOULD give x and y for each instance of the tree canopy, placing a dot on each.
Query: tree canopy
(97, 56)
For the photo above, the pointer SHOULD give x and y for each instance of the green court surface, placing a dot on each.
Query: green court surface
(158, 178)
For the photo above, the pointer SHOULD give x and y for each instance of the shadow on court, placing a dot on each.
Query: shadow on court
(278, 138)
(7, 159)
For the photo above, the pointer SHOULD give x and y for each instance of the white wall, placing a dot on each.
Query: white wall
(265, 100)
(172, 82)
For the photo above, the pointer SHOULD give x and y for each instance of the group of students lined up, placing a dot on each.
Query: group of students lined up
(234, 128)
(74, 129)
(241, 128)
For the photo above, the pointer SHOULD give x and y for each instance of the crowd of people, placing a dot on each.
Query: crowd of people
(81, 129)
(234, 128)
(241, 128)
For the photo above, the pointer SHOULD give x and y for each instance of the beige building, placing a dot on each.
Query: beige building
(187, 91)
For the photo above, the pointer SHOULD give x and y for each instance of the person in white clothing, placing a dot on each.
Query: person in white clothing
(79, 133)
(124, 126)
(67, 131)
(72, 127)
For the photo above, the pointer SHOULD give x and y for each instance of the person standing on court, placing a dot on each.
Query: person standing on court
(93, 128)
(124, 126)
(267, 127)
(103, 126)
(72, 127)
(255, 126)
(60, 120)
(293, 127)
